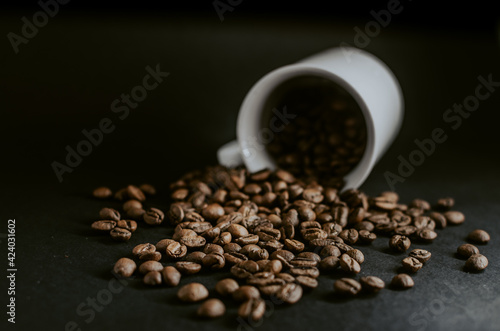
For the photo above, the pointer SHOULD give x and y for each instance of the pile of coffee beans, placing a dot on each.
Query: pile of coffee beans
(274, 233)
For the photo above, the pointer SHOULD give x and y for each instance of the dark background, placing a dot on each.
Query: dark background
(65, 79)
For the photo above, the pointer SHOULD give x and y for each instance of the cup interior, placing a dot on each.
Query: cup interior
(315, 125)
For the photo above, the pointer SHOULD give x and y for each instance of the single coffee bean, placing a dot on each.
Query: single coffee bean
(270, 290)
(445, 204)
(226, 287)
(426, 235)
(357, 255)
(304, 262)
(176, 250)
(246, 292)
(193, 242)
(349, 264)
(252, 309)
(148, 189)
(127, 225)
(153, 216)
(131, 204)
(144, 249)
(109, 214)
(467, 250)
(310, 255)
(152, 278)
(330, 250)
(120, 234)
(212, 308)
(213, 248)
(309, 272)
(188, 268)
(479, 237)
(136, 213)
(366, 237)
(412, 264)
(439, 219)
(133, 192)
(214, 261)
(454, 217)
(225, 238)
(364, 226)
(313, 195)
(175, 214)
(290, 293)
(124, 267)
(148, 266)
(195, 257)
(180, 194)
(329, 263)
(421, 254)
(192, 292)
(212, 212)
(399, 243)
(104, 225)
(402, 281)
(161, 245)
(273, 266)
(102, 193)
(294, 245)
(171, 276)
(419, 203)
(307, 282)
(237, 231)
(372, 284)
(476, 263)
(350, 236)
(347, 287)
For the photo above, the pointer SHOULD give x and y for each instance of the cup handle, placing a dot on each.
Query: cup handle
(229, 155)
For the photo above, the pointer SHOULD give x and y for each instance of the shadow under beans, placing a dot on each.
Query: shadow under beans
(390, 251)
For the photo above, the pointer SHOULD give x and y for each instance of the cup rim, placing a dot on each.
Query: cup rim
(249, 120)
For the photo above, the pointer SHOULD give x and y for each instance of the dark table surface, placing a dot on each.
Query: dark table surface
(65, 79)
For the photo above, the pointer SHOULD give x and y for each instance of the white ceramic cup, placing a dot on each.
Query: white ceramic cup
(366, 78)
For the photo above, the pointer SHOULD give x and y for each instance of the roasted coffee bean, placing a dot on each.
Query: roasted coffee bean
(312, 234)
(438, 219)
(445, 204)
(212, 308)
(176, 250)
(306, 282)
(329, 263)
(161, 245)
(136, 214)
(121, 194)
(349, 264)
(310, 272)
(479, 237)
(421, 254)
(330, 250)
(193, 242)
(180, 194)
(214, 261)
(131, 204)
(253, 309)
(270, 290)
(303, 262)
(364, 225)
(237, 231)
(419, 203)
(399, 243)
(306, 214)
(414, 212)
(402, 281)
(250, 239)
(124, 267)
(310, 256)
(234, 258)
(212, 212)
(224, 238)
(211, 233)
(294, 245)
(145, 252)
(357, 255)
(109, 214)
(350, 236)
(127, 225)
(148, 266)
(246, 292)
(102, 193)
(175, 214)
(273, 266)
(467, 250)
(192, 292)
(426, 235)
(103, 225)
(386, 227)
(406, 230)
(153, 216)
(412, 264)
(148, 189)
(196, 257)
(372, 284)
(366, 237)
(347, 287)
(133, 192)
(188, 268)
(313, 195)
(183, 233)
(226, 287)
(152, 278)
(171, 276)
(120, 234)
(193, 217)
(340, 215)
(476, 263)
(289, 293)
(213, 248)
(454, 217)
(343, 247)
